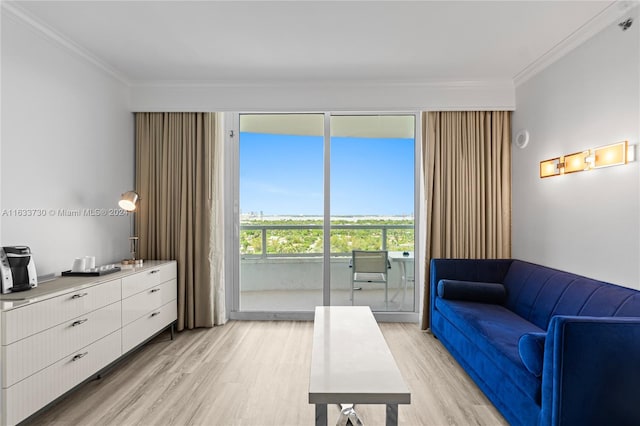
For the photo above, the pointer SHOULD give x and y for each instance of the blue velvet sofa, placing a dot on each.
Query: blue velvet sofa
(547, 347)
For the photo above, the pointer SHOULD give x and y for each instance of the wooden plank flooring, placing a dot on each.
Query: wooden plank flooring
(257, 373)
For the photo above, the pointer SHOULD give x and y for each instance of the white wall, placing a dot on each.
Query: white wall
(588, 222)
(67, 143)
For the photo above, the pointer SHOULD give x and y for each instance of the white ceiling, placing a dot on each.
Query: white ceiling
(240, 42)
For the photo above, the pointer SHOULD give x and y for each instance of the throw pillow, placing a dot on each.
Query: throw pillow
(531, 350)
(472, 291)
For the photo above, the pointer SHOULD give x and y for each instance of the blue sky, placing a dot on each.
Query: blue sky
(283, 175)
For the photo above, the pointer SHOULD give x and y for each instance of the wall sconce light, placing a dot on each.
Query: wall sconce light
(605, 156)
(550, 167)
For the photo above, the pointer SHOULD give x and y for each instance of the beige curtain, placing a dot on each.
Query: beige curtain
(467, 177)
(175, 179)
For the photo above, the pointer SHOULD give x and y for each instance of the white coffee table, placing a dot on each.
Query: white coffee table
(351, 363)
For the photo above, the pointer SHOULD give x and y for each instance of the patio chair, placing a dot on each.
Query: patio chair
(370, 267)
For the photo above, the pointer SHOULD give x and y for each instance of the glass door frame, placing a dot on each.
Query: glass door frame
(232, 221)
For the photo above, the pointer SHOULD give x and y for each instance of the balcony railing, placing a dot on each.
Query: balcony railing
(307, 239)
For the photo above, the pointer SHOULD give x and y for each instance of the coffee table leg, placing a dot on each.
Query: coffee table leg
(392, 415)
(348, 415)
(321, 414)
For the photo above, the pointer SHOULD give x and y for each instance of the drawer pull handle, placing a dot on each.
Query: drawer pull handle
(155, 271)
(77, 357)
(155, 313)
(154, 290)
(82, 321)
(79, 295)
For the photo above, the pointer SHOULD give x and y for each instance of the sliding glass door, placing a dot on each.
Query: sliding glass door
(309, 178)
(372, 209)
(281, 208)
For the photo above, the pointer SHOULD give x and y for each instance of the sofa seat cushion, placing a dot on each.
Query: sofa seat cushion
(495, 331)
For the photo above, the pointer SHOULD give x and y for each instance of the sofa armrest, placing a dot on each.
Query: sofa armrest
(591, 371)
(485, 270)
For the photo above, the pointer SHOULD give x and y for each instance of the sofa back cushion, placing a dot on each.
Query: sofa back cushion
(629, 307)
(537, 293)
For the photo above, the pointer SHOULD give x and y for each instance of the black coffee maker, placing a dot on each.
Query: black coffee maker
(18, 269)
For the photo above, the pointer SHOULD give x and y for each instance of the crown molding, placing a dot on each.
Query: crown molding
(18, 13)
(596, 24)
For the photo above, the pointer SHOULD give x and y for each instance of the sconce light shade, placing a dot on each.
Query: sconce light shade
(550, 167)
(129, 200)
(576, 162)
(610, 155)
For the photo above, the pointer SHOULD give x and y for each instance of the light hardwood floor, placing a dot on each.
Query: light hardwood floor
(257, 373)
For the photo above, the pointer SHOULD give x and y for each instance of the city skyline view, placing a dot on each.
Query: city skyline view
(282, 175)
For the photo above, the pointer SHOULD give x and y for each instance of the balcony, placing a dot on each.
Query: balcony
(287, 276)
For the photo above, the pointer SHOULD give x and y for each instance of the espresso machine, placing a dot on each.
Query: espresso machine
(18, 269)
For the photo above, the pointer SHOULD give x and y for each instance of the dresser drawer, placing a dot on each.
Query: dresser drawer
(25, 397)
(136, 283)
(146, 301)
(28, 356)
(33, 318)
(149, 324)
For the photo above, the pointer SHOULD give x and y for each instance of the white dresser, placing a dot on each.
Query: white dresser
(61, 333)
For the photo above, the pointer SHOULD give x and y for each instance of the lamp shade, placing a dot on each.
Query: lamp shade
(610, 155)
(129, 200)
(576, 162)
(552, 167)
